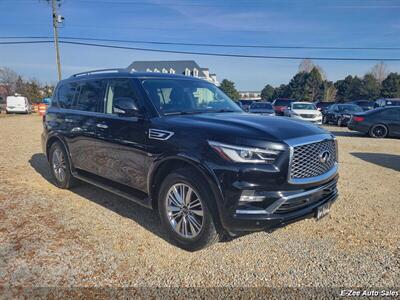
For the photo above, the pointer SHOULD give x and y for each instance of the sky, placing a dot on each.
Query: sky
(337, 23)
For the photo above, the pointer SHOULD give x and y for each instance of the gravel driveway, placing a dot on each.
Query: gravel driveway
(87, 237)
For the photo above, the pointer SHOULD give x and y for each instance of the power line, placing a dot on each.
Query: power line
(204, 53)
(207, 44)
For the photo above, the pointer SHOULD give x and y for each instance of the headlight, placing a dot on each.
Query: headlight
(294, 113)
(244, 154)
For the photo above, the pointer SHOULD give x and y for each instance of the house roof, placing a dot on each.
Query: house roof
(178, 65)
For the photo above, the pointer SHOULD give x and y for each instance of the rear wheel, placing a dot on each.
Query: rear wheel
(60, 167)
(324, 120)
(378, 131)
(184, 204)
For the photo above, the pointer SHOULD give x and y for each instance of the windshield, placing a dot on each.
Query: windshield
(352, 108)
(263, 105)
(179, 96)
(303, 106)
(283, 102)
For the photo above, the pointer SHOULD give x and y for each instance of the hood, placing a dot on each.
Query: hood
(306, 111)
(228, 126)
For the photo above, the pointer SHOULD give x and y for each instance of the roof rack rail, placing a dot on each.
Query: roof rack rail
(120, 70)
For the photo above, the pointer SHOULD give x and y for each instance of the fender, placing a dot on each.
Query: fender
(53, 137)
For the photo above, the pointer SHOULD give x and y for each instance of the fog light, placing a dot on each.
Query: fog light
(249, 196)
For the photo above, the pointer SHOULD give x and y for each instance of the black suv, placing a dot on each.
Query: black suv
(179, 145)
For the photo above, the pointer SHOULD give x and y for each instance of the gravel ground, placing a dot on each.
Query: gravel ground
(87, 237)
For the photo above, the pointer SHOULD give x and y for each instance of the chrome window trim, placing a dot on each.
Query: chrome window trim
(295, 142)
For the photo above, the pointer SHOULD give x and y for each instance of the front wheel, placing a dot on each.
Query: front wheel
(339, 122)
(378, 131)
(324, 120)
(184, 204)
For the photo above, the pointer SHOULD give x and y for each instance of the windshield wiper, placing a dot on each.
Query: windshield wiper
(222, 111)
(183, 113)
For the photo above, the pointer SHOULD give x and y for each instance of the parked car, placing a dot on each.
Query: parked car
(246, 104)
(387, 102)
(340, 114)
(364, 104)
(179, 145)
(304, 111)
(280, 105)
(262, 108)
(18, 104)
(378, 123)
(322, 106)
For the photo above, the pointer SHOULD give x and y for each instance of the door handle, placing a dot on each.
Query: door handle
(104, 126)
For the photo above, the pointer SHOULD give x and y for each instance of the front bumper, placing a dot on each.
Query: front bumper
(290, 207)
(316, 120)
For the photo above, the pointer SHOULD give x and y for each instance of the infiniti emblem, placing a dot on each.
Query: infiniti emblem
(324, 156)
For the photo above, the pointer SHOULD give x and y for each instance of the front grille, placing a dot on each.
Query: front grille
(308, 116)
(307, 160)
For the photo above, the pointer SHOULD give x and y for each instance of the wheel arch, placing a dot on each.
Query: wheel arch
(161, 168)
(53, 139)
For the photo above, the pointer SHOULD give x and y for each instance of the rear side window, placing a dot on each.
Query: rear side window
(66, 95)
(118, 89)
(91, 96)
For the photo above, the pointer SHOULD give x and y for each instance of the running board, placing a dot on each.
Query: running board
(143, 201)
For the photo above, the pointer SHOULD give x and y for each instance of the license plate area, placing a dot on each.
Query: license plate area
(323, 210)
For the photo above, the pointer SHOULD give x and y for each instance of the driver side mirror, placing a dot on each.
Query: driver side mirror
(288, 108)
(125, 106)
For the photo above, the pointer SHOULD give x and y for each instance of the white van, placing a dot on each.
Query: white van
(18, 104)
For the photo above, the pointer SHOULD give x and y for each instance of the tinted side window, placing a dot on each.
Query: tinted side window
(119, 89)
(66, 95)
(91, 96)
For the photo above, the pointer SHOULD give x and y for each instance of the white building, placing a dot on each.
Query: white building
(183, 67)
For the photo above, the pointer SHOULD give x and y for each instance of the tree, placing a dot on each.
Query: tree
(330, 91)
(8, 79)
(370, 88)
(281, 92)
(307, 65)
(267, 92)
(228, 87)
(306, 86)
(313, 89)
(380, 71)
(391, 86)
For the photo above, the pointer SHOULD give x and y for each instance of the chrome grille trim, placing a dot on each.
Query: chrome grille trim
(309, 176)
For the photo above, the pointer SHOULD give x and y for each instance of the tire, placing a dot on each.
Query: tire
(378, 131)
(189, 223)
(324, 120)
(60, 167)
(339, 122)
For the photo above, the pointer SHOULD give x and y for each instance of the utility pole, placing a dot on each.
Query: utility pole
(56, 19)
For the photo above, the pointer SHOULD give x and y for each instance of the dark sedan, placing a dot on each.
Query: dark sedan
(378, 123)
(262, 108)
(364, 104)
(340, 114)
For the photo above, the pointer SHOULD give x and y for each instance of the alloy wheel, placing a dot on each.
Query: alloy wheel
(184, 210)
(59, 165)
(379, 131)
